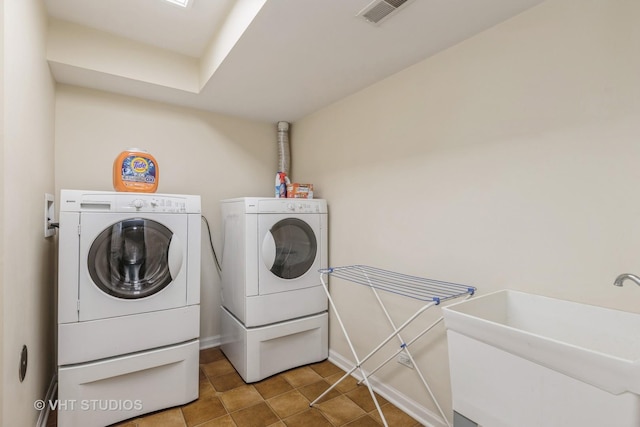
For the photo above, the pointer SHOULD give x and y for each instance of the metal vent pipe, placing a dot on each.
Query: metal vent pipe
(283, 147)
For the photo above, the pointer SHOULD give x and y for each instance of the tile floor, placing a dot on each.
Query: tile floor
(278, 401)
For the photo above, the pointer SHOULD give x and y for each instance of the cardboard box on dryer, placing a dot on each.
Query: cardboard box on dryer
(300, 191)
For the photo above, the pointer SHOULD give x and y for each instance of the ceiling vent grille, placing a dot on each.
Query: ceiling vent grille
(378, 10)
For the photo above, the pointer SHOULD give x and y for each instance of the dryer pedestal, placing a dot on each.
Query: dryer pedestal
(260, 352)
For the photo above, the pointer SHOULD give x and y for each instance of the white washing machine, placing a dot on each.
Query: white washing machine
(128, 304)
(274, 314)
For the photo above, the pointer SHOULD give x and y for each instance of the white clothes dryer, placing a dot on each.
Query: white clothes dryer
(274, 314)
(272, 251)
(128, 304)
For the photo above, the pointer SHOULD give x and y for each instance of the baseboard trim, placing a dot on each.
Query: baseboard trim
(209, 342)
(418, 412)
(43, 418)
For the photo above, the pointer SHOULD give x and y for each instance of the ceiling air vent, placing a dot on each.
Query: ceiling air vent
(378, 10)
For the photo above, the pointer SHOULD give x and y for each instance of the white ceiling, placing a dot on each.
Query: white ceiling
(295, 56)
(154, 22)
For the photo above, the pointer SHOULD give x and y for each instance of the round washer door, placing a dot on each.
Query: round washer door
(132, 259)
(289, 248)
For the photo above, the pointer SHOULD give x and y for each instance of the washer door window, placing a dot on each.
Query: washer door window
(289, 248)
(130, 259)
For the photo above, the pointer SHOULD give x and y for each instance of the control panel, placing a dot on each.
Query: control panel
(108, 201)
(153, 204)
(284, 205)
(302, 207)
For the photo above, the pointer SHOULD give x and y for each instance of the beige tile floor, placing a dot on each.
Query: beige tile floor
(278, 401)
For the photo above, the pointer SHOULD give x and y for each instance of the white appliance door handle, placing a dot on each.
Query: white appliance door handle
(268, 250)
(175, 256)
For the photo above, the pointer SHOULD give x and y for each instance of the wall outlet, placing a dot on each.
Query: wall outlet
(49, 212)
(403, 359)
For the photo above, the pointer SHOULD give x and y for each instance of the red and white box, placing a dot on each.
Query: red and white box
(299, 191)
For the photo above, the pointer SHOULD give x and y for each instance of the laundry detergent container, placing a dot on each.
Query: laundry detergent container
(135, 170)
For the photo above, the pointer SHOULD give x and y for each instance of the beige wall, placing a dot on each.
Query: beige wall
(215, 156)
(2, 204)
(507, 161)
(27, 257)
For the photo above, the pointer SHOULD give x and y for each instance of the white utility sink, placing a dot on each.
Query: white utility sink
(525, 360)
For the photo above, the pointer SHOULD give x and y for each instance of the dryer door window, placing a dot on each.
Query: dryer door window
(130, 259)
(290, 248)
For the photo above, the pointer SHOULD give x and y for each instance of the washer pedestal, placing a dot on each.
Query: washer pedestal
(100, 393)
(260, 352)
